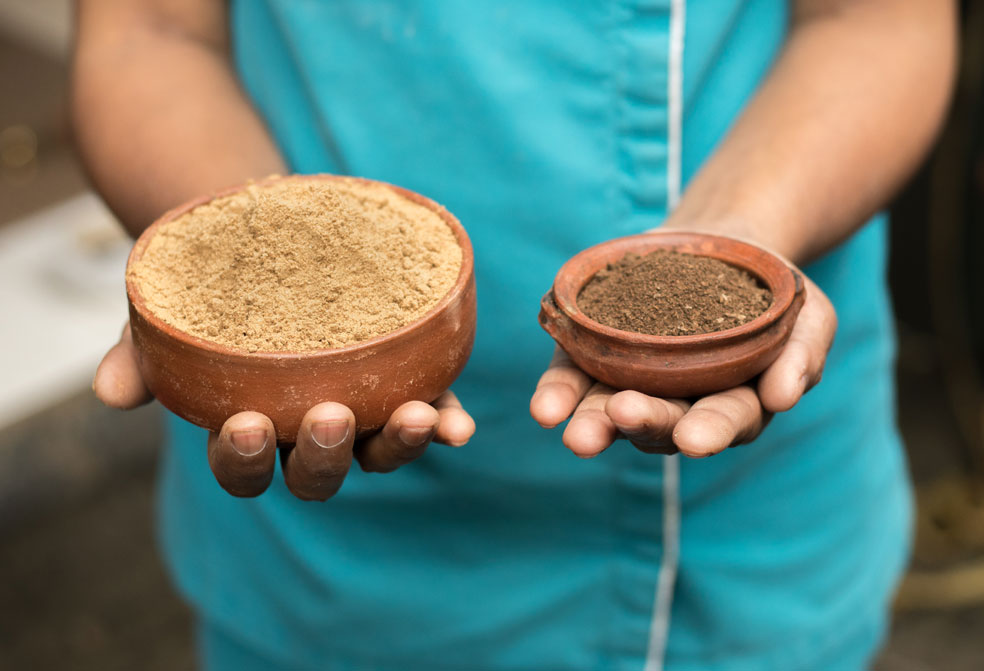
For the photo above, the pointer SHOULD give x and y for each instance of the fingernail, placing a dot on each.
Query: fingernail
(415, 435)
(331, 433)
(249, 442)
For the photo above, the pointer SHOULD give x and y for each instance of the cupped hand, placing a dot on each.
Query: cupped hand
(243, 453)
(697, 428)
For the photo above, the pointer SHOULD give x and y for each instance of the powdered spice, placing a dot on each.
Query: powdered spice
(299, 265)
(667, 293)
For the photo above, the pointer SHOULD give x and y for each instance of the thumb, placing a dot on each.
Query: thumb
(118, 383)
(801, 362)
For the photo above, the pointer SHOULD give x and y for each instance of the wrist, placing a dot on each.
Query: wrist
(758, 229)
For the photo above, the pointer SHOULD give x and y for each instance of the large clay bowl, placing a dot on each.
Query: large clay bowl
(206, 383)
(673, 366)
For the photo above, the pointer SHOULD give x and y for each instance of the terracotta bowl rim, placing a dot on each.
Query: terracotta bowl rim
(783, 295)
(136, 299)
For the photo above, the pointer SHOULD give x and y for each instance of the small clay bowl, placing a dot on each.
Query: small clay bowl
(673, 366)
(205, 382)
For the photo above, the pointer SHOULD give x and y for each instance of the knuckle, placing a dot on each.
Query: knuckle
(745, 405)
(725, 411)
(600, 389)
(590, 413)
(557, 386)
(663, 414)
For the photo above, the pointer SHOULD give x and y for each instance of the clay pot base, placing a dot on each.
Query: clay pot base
(673, 366)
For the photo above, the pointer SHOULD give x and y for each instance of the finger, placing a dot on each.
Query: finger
(118, 383)
(719, 421)
(559, 391)
(591, 430)
(404, 438)
(456, 426)
(317, 465)
(800, 364)
(243, 453)
(647, 422)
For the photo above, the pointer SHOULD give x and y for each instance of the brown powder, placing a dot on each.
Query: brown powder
(670, 294)
(299, 265)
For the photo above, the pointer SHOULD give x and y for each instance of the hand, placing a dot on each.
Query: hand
(243, 452)
(696, 428)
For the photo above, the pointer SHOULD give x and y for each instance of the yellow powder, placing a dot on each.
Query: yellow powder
(298, 265)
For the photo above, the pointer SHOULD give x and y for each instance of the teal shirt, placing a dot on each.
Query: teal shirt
(546, 128)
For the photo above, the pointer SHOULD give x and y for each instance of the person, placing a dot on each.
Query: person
(545, 127)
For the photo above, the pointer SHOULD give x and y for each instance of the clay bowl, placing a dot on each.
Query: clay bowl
(205, 383)
(673, 366)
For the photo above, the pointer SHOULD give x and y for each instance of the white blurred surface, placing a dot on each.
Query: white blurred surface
(62, 302)
(44, 24)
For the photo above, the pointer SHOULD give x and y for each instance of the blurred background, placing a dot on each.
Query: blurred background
(82, 585)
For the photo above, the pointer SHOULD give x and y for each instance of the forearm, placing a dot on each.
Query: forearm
(845, 116)
(158, 113)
